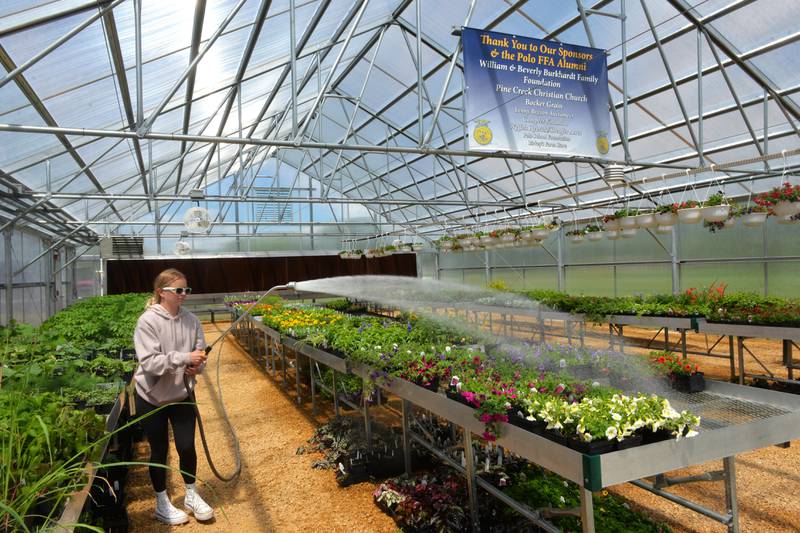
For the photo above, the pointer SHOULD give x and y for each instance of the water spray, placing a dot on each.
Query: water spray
(237, 454)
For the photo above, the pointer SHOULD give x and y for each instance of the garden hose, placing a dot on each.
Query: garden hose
(190, 393)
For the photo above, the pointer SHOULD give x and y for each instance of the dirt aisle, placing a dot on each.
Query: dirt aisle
(278, 490)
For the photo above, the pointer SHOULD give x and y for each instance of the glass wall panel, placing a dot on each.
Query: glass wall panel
(782, 239)
(644, 279)
(475, 277)
(453, 276)
(541, 278)
(590, 281)
(696, 242)
(86, 280)
(426, 265)
(782, 279)
(514, 278)
(739, 277)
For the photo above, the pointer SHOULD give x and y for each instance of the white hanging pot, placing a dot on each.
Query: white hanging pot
(690, 215)
(663, 230)
(446, 245)
(486, 239)
(526, 235)
(612, 224)
(612, 234)
(540, 233)
(595, 235)
(628, 223)
(753, 220)
(647, 220)
(666, 219)
(508, 237)
(785, 208)
(627, 233)
(716, 213)
(575, 239)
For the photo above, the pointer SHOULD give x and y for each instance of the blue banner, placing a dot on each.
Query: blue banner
(534, 96)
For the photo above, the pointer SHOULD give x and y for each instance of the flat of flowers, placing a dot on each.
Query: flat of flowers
(278, 490)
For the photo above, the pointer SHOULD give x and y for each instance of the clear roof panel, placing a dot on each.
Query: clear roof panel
(78, 86)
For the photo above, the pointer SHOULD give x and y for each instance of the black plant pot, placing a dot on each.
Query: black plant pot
(534, 426)
(432, 385)
(555, 436)
(630, 442)
(649, 437)
(595, 447)
(689, 384)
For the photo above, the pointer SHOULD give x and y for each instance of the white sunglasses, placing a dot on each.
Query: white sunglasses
(178, 290)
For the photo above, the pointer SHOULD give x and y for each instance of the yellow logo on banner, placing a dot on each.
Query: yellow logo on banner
(482, 134)
(602, 143)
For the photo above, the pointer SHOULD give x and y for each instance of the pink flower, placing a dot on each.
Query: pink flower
(488, 436)
(486, 418)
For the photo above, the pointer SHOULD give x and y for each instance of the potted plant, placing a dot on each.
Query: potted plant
(611, 221)
(526, 233)
(716, 208)
(754, 215)
(575, 236)
(445, 243)
(783, 201)
(508, 235)
(541, 231)
(594, 232)
(689, 212)
(612, 234)
(627, 218)
(666, 215)
(683, 376)
(646, 219)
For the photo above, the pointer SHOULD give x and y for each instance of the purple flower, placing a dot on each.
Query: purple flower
(408, 326)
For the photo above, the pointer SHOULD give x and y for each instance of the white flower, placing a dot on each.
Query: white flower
(408, 352)
(377, 347)
(691, 433)
(394, 346)
(566, 485)
(562, 363)
(616, 416)
(611, 433)
(447, 349)
(562, 500)
(421, 353)
(595, 383)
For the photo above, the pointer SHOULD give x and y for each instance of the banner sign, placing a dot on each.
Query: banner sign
(533, 96)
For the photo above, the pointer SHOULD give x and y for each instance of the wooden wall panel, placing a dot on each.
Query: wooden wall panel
(235, 274)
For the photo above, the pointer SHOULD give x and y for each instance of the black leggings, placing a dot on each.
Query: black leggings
(182, 418)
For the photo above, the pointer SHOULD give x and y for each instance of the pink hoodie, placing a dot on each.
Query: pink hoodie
(163, 343)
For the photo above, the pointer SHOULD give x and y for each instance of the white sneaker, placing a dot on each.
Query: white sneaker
(168, 513)
(194, 504)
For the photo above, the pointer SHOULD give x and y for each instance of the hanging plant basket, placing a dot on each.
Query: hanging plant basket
(575, 239)
(508, 237)
(612, 234)
(785, 208)
(628, 223)
(664, 230)
(540, 233)
(487, 240)
(666, 219)
(627, 233)
(526, 235)
(691, 215)
(647, 220)
(716, 213)
(595, 236)
(754, 220)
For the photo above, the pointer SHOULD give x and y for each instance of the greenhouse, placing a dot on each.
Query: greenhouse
(400, 265)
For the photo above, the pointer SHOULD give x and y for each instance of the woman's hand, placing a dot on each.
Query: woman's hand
(197, 357)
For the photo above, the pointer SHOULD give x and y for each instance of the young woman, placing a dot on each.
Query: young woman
(170, 345)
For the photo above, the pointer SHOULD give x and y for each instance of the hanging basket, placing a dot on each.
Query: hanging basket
(508, 237)
(526, 235)
(575, 239)
(627, 233)
(664, 230)
(716, 213)
(753, 220)
(691, 215)
(628, 223)
(595, 236)
(612, 234)
(666, 219)
(647, 220)
(540, 233)
(446, 245)
(785, 208)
